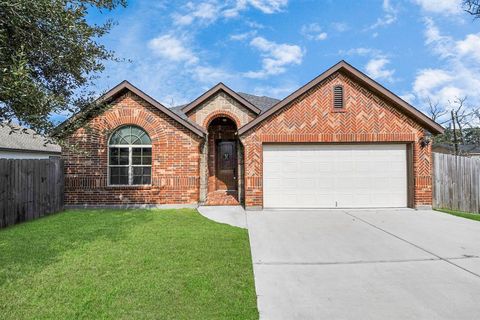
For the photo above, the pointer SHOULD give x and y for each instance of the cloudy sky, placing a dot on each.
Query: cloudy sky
(179, 49)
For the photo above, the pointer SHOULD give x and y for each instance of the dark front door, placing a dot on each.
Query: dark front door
(226, 165)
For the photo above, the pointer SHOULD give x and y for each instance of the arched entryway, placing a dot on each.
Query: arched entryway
(223, 168)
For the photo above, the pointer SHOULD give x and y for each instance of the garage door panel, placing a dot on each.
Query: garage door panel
(315, 176)
(309, 183)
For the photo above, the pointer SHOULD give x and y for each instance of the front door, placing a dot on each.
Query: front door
(226, 165)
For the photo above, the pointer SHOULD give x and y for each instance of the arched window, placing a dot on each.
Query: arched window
(130, 157)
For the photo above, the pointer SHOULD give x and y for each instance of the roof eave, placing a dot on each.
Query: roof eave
(124, 86)
(413, 112)
(214, 90)
(29, 150)
(417, 115)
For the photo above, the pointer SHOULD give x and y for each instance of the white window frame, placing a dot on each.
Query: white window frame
(130, 165)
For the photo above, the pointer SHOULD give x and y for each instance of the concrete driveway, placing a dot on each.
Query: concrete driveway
(365, 264)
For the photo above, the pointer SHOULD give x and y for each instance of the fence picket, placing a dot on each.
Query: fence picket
(456, 182)
(29, 189)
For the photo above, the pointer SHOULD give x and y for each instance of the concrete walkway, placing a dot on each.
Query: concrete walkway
(232, 215)
(365, 264)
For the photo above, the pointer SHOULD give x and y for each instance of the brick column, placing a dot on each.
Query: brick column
(203, 171)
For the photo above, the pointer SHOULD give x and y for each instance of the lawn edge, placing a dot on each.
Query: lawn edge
(461, 214)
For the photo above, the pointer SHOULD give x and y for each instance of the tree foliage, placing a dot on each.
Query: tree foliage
(49, 54)
(472, 7)
(461, 121)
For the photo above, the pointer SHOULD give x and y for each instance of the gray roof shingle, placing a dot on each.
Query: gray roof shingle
(15, 137)
(263, 103)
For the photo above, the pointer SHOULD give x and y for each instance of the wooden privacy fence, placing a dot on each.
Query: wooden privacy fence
(30, 189)
(456, 182)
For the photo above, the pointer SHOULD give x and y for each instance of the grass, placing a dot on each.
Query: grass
(126, 264)
(467, 215)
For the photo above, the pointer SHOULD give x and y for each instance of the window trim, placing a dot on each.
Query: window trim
(130, 164)
(342, 108)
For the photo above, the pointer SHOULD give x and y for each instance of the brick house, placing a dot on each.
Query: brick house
(342, 140)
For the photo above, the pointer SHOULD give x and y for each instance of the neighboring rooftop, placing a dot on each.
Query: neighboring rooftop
(15, 137)
(463, 149)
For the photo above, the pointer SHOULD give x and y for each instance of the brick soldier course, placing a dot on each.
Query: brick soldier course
(184, 139)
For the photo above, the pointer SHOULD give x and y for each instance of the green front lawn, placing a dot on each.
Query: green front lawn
(468, 215)
(126, 264)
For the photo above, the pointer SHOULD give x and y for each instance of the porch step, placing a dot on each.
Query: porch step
(222, 198)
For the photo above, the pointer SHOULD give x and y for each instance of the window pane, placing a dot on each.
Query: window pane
(123, 180)
(137, 134)
(123, 156)
(118, 175)
(118, 136)
(147, 160)
(114, 156)
(136, 155)
(147, 156)
(146, 139)
(123, 171)
(115, 138)
(136, 152)
(114, 171)
(147, 180)
(142, 175)
(113, 179)
(130, 135)
(137, 180)
(123, 152)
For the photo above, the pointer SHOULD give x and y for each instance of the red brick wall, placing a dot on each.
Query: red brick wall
(311, 118)
(175, 158)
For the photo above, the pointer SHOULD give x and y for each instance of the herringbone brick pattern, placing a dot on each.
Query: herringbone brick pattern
(177, 151)
(311, 118)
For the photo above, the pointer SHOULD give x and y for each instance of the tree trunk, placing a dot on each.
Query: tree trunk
(455, 142)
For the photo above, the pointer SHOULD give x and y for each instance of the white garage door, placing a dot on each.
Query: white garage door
(329, 176)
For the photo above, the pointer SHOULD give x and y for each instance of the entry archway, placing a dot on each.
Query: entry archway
(222, 161)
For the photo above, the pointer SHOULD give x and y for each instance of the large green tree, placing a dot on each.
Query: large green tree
(49, 55)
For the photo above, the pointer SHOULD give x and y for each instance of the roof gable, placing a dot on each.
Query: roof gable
(366, 81)
(221, 87)
(124, 86)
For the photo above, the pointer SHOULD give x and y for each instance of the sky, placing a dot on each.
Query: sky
(176, 50)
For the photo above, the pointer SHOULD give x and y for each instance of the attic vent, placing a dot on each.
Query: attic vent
(338, 97)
